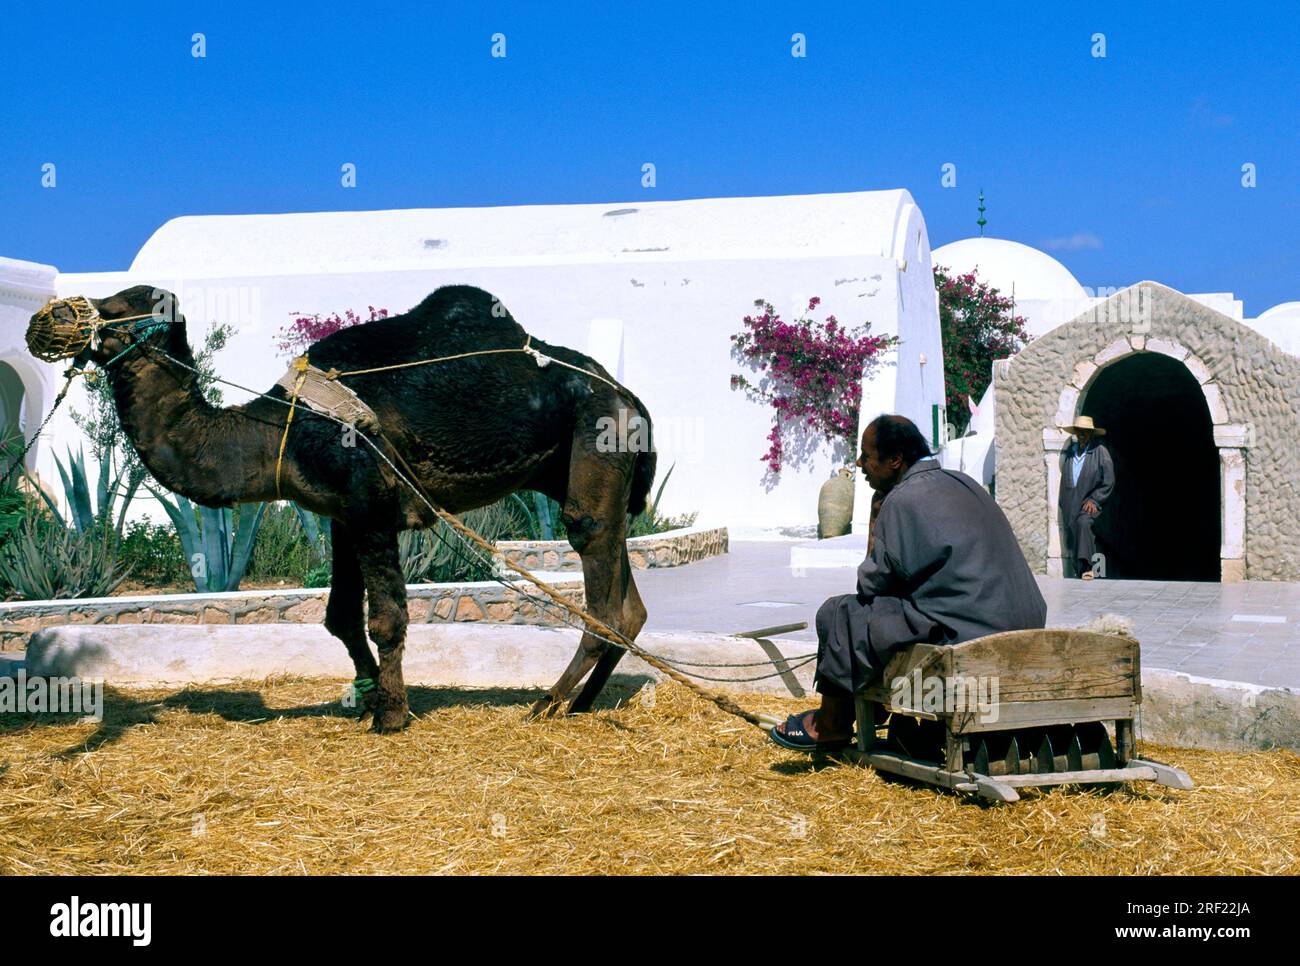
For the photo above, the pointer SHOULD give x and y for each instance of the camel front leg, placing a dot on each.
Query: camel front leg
(345, 612)
(381, 570)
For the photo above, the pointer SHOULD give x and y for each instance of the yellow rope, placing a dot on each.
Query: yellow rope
(542, 360)
(335, 374)
(597, 627)
(301, 365)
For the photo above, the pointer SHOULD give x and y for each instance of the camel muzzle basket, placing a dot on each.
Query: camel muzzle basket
(53, 336)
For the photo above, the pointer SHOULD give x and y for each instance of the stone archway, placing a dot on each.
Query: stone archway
(1171, 381)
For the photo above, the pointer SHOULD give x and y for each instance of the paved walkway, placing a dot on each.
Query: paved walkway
(1233, 632)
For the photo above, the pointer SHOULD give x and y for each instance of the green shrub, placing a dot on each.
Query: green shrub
(441, 555)
(281, 550)
(650, 520)
(153, 554)
(15, 504)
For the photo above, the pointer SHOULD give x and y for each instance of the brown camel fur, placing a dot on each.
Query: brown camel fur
(472, 431)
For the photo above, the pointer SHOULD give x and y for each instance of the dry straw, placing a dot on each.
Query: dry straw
(273, 777)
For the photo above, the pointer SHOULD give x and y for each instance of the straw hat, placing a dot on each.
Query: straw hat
(1085, 422)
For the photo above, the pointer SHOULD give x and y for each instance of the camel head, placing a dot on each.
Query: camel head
(89, 330)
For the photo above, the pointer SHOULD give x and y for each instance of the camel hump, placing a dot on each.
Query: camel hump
(465, 306)
(454, 319)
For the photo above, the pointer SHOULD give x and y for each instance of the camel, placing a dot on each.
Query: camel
(471, 431)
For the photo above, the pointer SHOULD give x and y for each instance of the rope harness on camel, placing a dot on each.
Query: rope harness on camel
(321, 390)
(51, 339)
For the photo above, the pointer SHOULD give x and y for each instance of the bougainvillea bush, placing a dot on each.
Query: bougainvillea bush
(811, 376)
(978, 325)
(306, 329)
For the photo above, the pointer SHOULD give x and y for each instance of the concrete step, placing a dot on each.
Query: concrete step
(468, 655)
(846, 551)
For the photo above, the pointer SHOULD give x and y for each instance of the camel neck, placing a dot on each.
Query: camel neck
(208, 454)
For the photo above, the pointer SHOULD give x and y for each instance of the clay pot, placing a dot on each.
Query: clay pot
(835, 505)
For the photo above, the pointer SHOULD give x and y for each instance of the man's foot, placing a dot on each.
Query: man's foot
(799, 732)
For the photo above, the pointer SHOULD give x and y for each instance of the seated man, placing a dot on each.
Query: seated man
(943, 566)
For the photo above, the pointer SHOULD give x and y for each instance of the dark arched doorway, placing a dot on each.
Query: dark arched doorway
(1163, 520)
(11, 402)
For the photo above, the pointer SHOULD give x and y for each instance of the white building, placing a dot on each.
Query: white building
(27, 386)
(653, 290)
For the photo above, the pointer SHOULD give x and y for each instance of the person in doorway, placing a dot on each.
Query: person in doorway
(943, 567)
(1087, 479)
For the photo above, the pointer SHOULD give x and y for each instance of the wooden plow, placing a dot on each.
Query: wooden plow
(1008, 711)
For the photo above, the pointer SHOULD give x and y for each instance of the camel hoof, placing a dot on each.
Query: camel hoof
(390, 721)
(544, 708)
(369, 706)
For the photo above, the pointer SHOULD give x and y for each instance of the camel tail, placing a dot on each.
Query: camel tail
(643, 470)
(643, 474)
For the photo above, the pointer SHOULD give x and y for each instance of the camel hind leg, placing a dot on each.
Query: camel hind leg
(633, 619)
(595, 517)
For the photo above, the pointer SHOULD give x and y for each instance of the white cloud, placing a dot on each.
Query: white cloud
(1078, 242)
(1204, 114)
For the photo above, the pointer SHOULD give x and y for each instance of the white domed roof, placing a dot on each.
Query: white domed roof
(1288, 309)
(1010, 267)
(1281, 323)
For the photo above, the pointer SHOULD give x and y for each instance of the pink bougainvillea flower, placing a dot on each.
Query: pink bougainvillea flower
(815, 372)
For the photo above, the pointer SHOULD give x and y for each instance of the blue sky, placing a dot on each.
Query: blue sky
(1125, 167)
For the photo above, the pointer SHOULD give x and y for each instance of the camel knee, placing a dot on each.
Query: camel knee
(387, 626)
(634, 615)
(580, 530)
(343, 618)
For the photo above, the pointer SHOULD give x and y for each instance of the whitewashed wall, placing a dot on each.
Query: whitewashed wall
(656, 303)
(912, 383)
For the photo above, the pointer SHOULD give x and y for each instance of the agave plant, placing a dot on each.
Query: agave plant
(217, 547)
(317, 529)
(543, 514)
(44, 560)
(440, 554)
(88, 515)
(650, 520)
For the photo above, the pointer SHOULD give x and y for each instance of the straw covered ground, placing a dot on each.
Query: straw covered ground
(274, 777)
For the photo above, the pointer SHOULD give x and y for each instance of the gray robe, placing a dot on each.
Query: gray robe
(944, 567)
(1096, 481)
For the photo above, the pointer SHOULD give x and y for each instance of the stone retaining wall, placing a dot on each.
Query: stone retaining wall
(426, 603)
(485, 601)
(673, 548)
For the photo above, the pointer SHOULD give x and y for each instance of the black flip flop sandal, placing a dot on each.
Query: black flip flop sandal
(796, 738)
